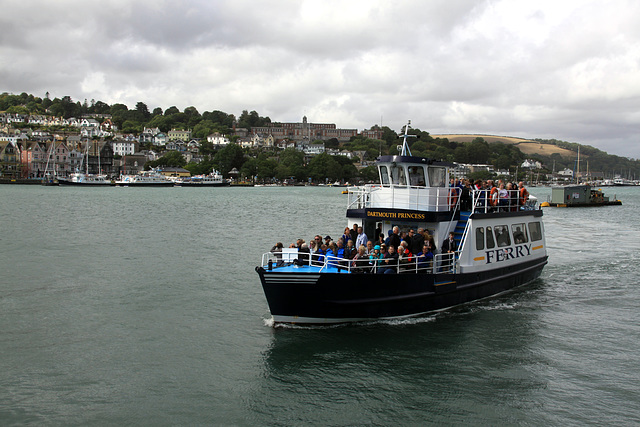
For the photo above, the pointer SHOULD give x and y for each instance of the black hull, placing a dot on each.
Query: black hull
(85, 184)
(145, 184)
(338, 298)
(223, 184)
(585, 205)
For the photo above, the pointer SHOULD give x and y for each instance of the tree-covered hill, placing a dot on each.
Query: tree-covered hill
(502, 152)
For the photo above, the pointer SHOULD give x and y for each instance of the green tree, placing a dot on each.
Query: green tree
(171, 159)
(323, 167)
(131, 126)
(171, 110)
(142, 113)
(369, 174)
(332, 143)
(229, 157)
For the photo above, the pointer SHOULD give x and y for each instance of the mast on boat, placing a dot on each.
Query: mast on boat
(405, 145)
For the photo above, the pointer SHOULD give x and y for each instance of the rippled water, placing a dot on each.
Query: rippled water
(141, 306)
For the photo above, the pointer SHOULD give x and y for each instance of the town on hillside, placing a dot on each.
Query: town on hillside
(114, 141)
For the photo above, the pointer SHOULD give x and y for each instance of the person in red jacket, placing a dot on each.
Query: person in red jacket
(524, 194)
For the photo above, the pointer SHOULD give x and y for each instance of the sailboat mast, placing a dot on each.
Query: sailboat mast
(578, 171)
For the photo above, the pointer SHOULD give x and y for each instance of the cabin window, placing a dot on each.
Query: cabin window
(416, 176)
(535, 231)
(437, 177)
(502, 235)
(479, 238)
(398, 176)
(490, 242)
(384, 175)
(519, 233)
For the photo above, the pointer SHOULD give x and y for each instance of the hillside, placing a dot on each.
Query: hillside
(527, 146)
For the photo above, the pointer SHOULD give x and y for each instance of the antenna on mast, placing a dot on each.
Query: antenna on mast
(405, 146)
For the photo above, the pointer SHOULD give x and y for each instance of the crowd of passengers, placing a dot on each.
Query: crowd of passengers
(396, 252)
(493, 195)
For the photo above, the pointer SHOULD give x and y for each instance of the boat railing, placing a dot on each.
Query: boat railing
(434, 199)
(440, 263)
(483, 202)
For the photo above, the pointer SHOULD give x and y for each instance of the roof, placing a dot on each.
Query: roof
(413, 159)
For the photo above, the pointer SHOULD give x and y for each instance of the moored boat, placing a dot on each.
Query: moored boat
(86, 179)
(214, 179)
(497, 249)
(572, 196)
(150, 178)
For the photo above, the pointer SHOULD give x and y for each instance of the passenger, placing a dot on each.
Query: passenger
(524, 194)
(394, 239)
(362, 238)
(346, 236)
(375, 258)
(465, 196)
(503, 197)
(425, 259)
(416, 241)
(303, 254)
(493, 194)
(518, 236)
(390, 262)
(354, 232)
(382, 240)
(430, 241)
(405, 257)
(277, 251)
(511, 200)
(327, 240)
(360, 262)
(297, 244)
(449, 248)
(378, 232)
(332, 249)
(318, 256)
(481, 196)
(369, 248)
(383, 250)
(350, 250)
(312, 246)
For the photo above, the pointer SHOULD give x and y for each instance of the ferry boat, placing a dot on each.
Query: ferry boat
(214, 179)
(497, 250)
(86, 179)
(150, 178)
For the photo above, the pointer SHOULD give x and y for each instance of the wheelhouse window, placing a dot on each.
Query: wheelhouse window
(384, 175)
(416, 176)
(437, 177)
(502, 235)
(535, 231)
(479, 238)
(398, 176)
(519, 233)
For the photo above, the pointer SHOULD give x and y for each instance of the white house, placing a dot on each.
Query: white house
(314, 148)
(123, 147)
(531, 164)
(218, 139)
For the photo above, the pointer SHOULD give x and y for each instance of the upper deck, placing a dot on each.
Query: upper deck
(406, 183)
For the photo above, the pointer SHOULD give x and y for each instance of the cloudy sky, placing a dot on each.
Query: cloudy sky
(559, 69)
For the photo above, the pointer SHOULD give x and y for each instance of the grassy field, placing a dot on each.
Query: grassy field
(525, 145)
